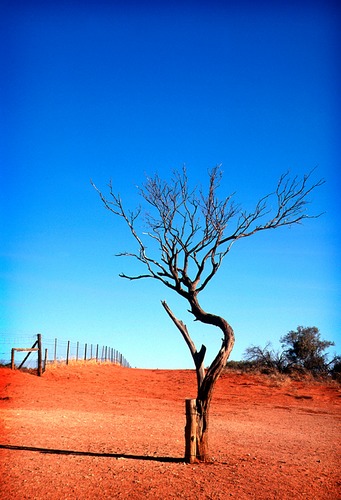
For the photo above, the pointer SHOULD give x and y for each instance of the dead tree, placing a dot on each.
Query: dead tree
(190, 233)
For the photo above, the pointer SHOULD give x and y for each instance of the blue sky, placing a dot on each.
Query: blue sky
(122, 90)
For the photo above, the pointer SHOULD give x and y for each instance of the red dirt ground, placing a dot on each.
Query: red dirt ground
(91, 431)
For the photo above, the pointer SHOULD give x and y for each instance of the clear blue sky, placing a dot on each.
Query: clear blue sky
(109, 90)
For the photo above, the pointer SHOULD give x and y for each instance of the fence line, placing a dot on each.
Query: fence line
(79, 352)
(56, 351)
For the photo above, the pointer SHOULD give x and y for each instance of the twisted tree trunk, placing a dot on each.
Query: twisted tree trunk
(197, 411)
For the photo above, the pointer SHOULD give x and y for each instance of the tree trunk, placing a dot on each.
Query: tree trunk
(202, 433)
(197, 410)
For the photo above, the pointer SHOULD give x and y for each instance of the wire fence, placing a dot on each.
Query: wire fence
(56, 351)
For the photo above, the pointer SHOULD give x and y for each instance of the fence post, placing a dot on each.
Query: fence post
(191, 431)
(40, 357)
(12, 359)
(55, 351)
(97, 353)
(85, 349)
(45, 360)
(67, 352)
(90, 351)
(77, 350)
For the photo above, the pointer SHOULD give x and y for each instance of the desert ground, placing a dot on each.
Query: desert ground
(87, 431)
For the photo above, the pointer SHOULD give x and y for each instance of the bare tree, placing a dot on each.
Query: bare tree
(191, 232)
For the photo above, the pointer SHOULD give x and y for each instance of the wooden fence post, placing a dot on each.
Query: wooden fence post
(67, 352)
(77, 351)
(40, 356)
(97, 353)
(45, 360)
(12, 359)
(55, 351)
(85, 349)
(191, 431)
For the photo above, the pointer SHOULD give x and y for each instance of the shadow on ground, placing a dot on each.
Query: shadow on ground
(91, 453)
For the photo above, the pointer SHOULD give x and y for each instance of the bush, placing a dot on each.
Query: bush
(305, 350)
(304, 353)
(335, 368)
(265, 357)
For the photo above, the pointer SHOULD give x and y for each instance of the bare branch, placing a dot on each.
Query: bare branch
(198, 357)
(191, 230)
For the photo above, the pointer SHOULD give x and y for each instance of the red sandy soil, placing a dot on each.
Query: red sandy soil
(91, 431)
